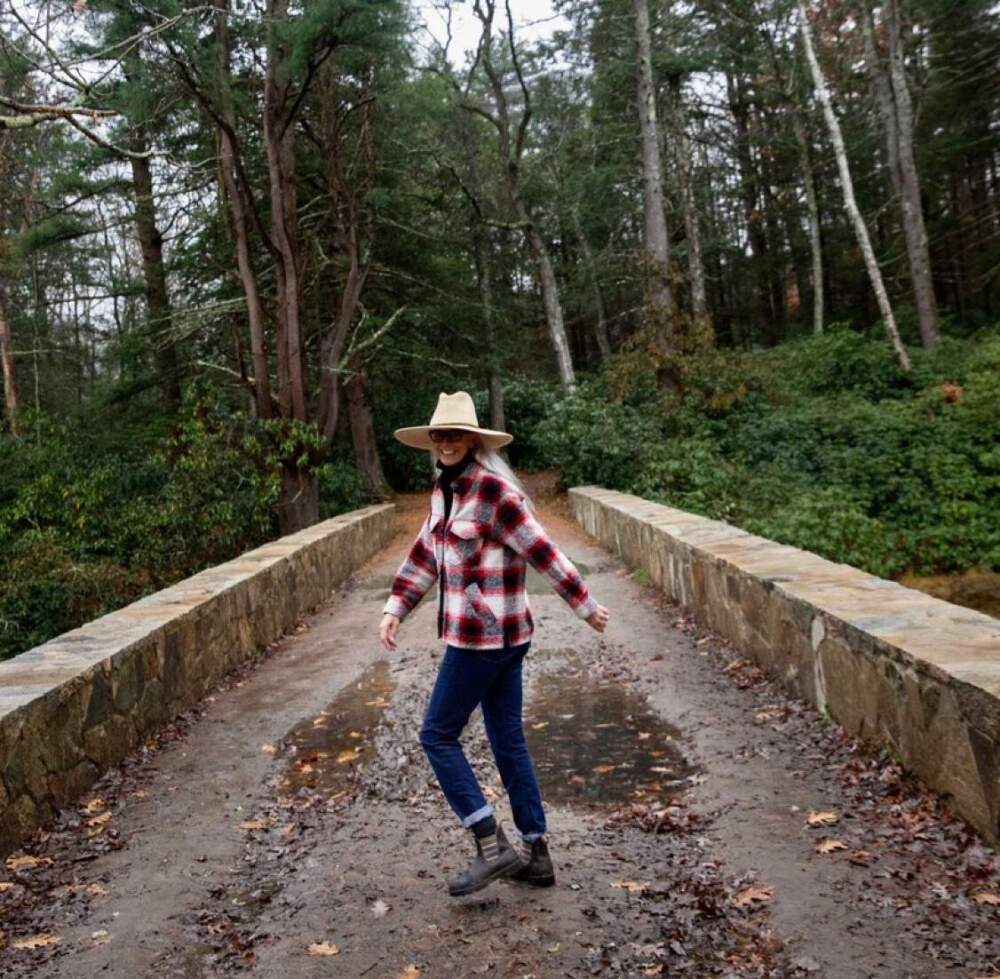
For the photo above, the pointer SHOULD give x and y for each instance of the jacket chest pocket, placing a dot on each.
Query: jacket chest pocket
(463, 542)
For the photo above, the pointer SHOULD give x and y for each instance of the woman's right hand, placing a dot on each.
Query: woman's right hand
(387, 631)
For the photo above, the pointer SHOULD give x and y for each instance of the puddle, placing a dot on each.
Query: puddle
(601, 743)
(326, 751)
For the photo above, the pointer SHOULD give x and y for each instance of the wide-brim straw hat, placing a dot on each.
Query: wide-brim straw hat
(452, 411)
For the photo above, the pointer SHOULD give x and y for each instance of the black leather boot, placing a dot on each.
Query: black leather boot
(536, 864)
(495, 858)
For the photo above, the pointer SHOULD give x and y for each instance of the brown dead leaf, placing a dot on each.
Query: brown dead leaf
(105, 817)
(380, 702)
(602, 769)
(345, 756)
(653, 970)
(410, 972)
(632, 886)
(94, 805)
(25, 861)
(37, 941)
(263, 822)
(987, 897)
(860, 858)
(756, 892)
(323, 948)
(821, 818)
(829, 846)
(5, 885)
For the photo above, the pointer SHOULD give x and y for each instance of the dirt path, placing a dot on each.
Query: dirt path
(294, 810)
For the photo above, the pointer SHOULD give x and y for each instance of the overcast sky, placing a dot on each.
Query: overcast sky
(532, 19)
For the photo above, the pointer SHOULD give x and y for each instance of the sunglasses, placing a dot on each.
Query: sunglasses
(447, 435)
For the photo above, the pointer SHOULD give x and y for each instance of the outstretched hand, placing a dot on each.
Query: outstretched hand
(599, 619)
(387, 631)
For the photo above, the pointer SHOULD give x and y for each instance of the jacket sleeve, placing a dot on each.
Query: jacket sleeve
(415, 575)
(517, 528)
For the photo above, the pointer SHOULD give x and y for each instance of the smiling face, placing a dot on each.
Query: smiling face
(451, 444)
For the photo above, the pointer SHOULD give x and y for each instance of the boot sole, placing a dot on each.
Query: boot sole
(501, 871)
(534, 881)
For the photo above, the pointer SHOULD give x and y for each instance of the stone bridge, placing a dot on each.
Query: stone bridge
(227, 777)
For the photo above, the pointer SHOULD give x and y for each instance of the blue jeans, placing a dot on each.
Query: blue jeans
(466, 679)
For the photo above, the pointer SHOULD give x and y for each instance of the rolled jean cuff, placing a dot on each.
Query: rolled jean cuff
(531, 837)
(486, 810)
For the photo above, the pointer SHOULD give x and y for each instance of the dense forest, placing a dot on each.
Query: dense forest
(740, 256)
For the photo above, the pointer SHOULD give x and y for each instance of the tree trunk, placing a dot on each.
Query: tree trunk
(750, 196)
(279, 142)
(896, 109)
(550, 297)
(843, 167)
(376, 487)
(298, 503)
(239, 222)
(656, 237)
(601, 323)
(9, 372)
(494, 380)
(913, 212)
(704, 333)
(812, 205)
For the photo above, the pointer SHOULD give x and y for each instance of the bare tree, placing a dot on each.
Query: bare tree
(511, 139)
(850, 202)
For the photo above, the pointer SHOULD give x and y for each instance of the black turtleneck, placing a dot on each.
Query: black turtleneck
(448, 476)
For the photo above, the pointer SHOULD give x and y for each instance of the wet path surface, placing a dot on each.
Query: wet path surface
(701, 824)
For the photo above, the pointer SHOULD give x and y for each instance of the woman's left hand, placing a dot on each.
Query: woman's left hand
(599, 619)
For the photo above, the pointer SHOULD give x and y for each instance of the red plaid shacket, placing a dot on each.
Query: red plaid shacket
(479, 558)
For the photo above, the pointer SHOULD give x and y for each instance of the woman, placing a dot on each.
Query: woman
(474, 543)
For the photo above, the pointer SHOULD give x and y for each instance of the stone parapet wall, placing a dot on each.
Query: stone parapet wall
(78, 704)
(891, 664)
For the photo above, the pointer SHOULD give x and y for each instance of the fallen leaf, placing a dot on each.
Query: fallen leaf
(633, 887)
(263, 822)
(95, 890)
(323, 948)
(828, 846)
(37, 941)
(821, 818)
(410, 972)
(380, 908)
(602, 769)
(986, 897)
(653, 970)
(539, 726)
(381, 702)
(758, 892)
(5, 885)
(101, 936)
(269, 749)
(25, 861)
(346, 756)
(860, 857)
(553, 948)
(94, 805)
(99, 820)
